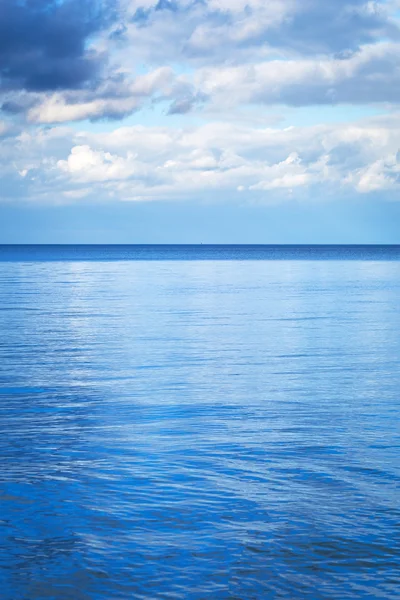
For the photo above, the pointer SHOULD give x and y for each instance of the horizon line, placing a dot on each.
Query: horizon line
(201, 244)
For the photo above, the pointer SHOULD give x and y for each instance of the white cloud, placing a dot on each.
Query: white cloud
(289, 173)
(87, 165)
(370, 75)
(55, 109)
(114, 100)
(233, 31)
(218, 160)
(77, 194)
(381, 175)
(4, 128)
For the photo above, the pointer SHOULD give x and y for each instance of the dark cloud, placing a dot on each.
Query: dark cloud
(186, 103)
(339, 26)
(172, 5)
(12, 107)
(43, 43)
(181, 107)
(143, 16)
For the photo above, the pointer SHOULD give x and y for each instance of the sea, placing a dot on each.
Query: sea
(199, 422)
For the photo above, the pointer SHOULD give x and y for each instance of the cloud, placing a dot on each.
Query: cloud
(44, 44)
(218, 31)
(4, 128)
(381, 175)
(77, 60)
(185, 100)
(88, 165)
(217, 160)
(289, 173)
(113, 99)
(370, 75)
(71, 60)
(334, 27)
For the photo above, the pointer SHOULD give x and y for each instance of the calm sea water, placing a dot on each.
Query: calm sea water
(179, 428)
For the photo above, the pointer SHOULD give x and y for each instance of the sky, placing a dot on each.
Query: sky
(199, 121)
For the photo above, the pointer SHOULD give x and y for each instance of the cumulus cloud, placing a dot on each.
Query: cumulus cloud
(382, 175)
(217, 160)
(88, 165)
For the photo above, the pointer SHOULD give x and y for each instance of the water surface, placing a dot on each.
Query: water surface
(173, 427)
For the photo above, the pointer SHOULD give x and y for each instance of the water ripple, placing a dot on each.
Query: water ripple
(191, 430)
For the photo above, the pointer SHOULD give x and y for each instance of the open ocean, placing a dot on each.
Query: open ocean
(199, 422)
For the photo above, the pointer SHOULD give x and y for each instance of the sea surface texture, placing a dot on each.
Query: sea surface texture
(199, 423)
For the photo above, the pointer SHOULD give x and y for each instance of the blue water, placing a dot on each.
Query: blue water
(194, 252)
(220, 423)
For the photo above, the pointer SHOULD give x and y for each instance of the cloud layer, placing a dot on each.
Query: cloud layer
(199, 62)
(91, 59)
(228, 30)
(215, 160)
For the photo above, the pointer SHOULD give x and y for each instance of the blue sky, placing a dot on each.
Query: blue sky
(199, 121)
